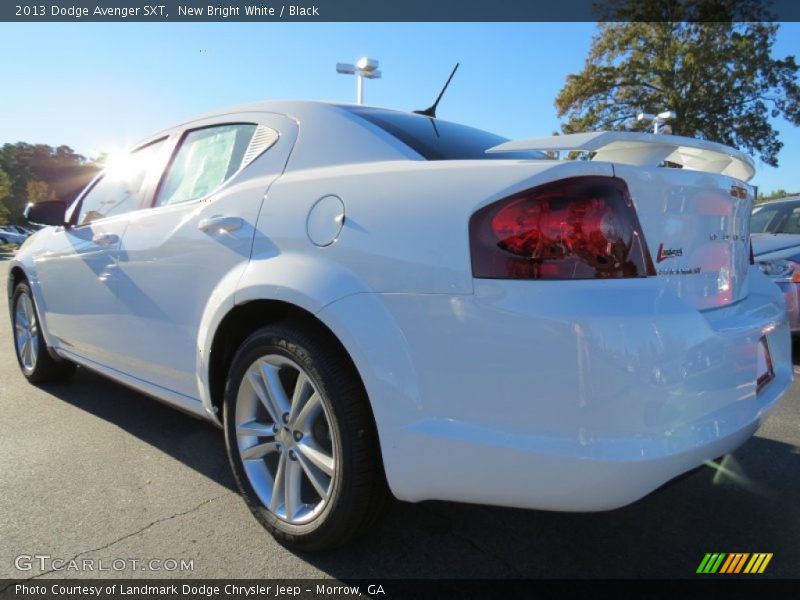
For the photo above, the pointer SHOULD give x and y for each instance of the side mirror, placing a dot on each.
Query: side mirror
(46, 212)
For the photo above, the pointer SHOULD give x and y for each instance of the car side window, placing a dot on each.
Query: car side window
(792, 224)
(122, 185)
(204, 160)
(762, 220)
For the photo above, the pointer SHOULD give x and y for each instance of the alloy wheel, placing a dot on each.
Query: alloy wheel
(26, 332)
(284, 436)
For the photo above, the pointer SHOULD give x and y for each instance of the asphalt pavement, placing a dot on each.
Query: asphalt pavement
(94, 471)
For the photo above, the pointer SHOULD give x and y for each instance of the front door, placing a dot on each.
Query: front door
(77, 273)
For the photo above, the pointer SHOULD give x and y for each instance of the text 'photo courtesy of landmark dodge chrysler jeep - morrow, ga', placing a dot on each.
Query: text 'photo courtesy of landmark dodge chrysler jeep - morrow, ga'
(375, 302)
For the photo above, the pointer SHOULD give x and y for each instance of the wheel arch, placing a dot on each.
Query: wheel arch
(15, 276)
(245, 318)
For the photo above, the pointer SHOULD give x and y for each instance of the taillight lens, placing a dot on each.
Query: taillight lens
(578, 228)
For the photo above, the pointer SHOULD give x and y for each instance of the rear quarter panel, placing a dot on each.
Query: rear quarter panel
(405, 227)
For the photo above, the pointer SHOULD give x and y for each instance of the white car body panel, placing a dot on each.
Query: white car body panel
(567, 395)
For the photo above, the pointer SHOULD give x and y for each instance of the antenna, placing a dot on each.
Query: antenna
(431, 110)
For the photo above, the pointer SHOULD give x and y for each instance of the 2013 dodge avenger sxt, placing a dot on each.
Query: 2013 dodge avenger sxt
(369, 300)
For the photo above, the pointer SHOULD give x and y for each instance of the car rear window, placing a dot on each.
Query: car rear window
(435, 139)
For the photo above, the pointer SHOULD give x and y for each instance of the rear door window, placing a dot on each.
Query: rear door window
(205, 159)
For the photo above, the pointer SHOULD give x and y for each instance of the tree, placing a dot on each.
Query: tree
(774, 195)
(5, 192)
(38, 172)
(691, 57)
(36, 191)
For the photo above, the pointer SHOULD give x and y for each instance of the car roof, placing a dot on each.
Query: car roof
(325, 123)
(786, 200)
(295, 109)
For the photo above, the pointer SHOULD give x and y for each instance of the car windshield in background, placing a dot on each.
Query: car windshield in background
(777, 217)
(435, 139)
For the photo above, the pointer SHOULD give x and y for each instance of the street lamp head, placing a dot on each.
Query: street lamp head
(368, 65)
(365, 68)
(645, 117)
(667, 114)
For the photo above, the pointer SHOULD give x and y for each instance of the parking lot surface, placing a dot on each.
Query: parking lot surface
(92, 470)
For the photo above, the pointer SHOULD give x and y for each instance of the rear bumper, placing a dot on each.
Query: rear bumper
(575, 396)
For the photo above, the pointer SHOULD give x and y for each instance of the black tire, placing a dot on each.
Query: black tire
(45, 367)
(358, 491)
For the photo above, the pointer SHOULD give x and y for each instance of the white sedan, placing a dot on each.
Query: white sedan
(373, 301)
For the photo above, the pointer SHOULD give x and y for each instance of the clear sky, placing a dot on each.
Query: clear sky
(101, 86)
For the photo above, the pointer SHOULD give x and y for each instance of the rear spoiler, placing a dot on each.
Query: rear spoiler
(644, 149)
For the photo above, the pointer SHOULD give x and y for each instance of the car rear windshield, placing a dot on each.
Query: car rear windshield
(435, 139)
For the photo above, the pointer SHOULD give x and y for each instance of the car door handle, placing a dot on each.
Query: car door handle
(105, 239)
(220, 224)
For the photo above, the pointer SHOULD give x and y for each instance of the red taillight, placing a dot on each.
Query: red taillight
(579, 228)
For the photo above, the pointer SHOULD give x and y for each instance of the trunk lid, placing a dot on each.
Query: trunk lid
(697, 229)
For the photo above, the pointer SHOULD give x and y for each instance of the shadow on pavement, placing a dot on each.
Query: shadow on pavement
(749, 504)
(196, 443)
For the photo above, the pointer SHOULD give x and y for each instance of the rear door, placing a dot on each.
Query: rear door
(198, 230)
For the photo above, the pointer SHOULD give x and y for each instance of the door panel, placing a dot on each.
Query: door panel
(77, 273)
(78, 286)
(173, 256)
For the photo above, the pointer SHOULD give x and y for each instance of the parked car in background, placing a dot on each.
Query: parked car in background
(23, 229)
(10, 235)
(775, 235)
(361, 297)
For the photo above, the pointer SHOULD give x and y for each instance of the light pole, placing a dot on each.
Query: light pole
(658, 120)
(365, 68)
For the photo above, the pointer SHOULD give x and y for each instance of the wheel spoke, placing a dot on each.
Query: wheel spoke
(259, 450)
(292, 475)
(302, 392)
(278, 486)
(255, 428)
(274, 388)
(26, 307)
(317, 457)
(309, 412)
(24, 353)
(318, 479)
(257, 383)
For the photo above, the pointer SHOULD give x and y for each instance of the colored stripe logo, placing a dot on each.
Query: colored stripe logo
(736, 562)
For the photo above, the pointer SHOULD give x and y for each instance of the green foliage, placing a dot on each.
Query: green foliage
(5, 191)
(40, 172)
(717, 75)
(774, 195)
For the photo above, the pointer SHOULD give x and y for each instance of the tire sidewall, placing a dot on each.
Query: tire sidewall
(275, 340)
